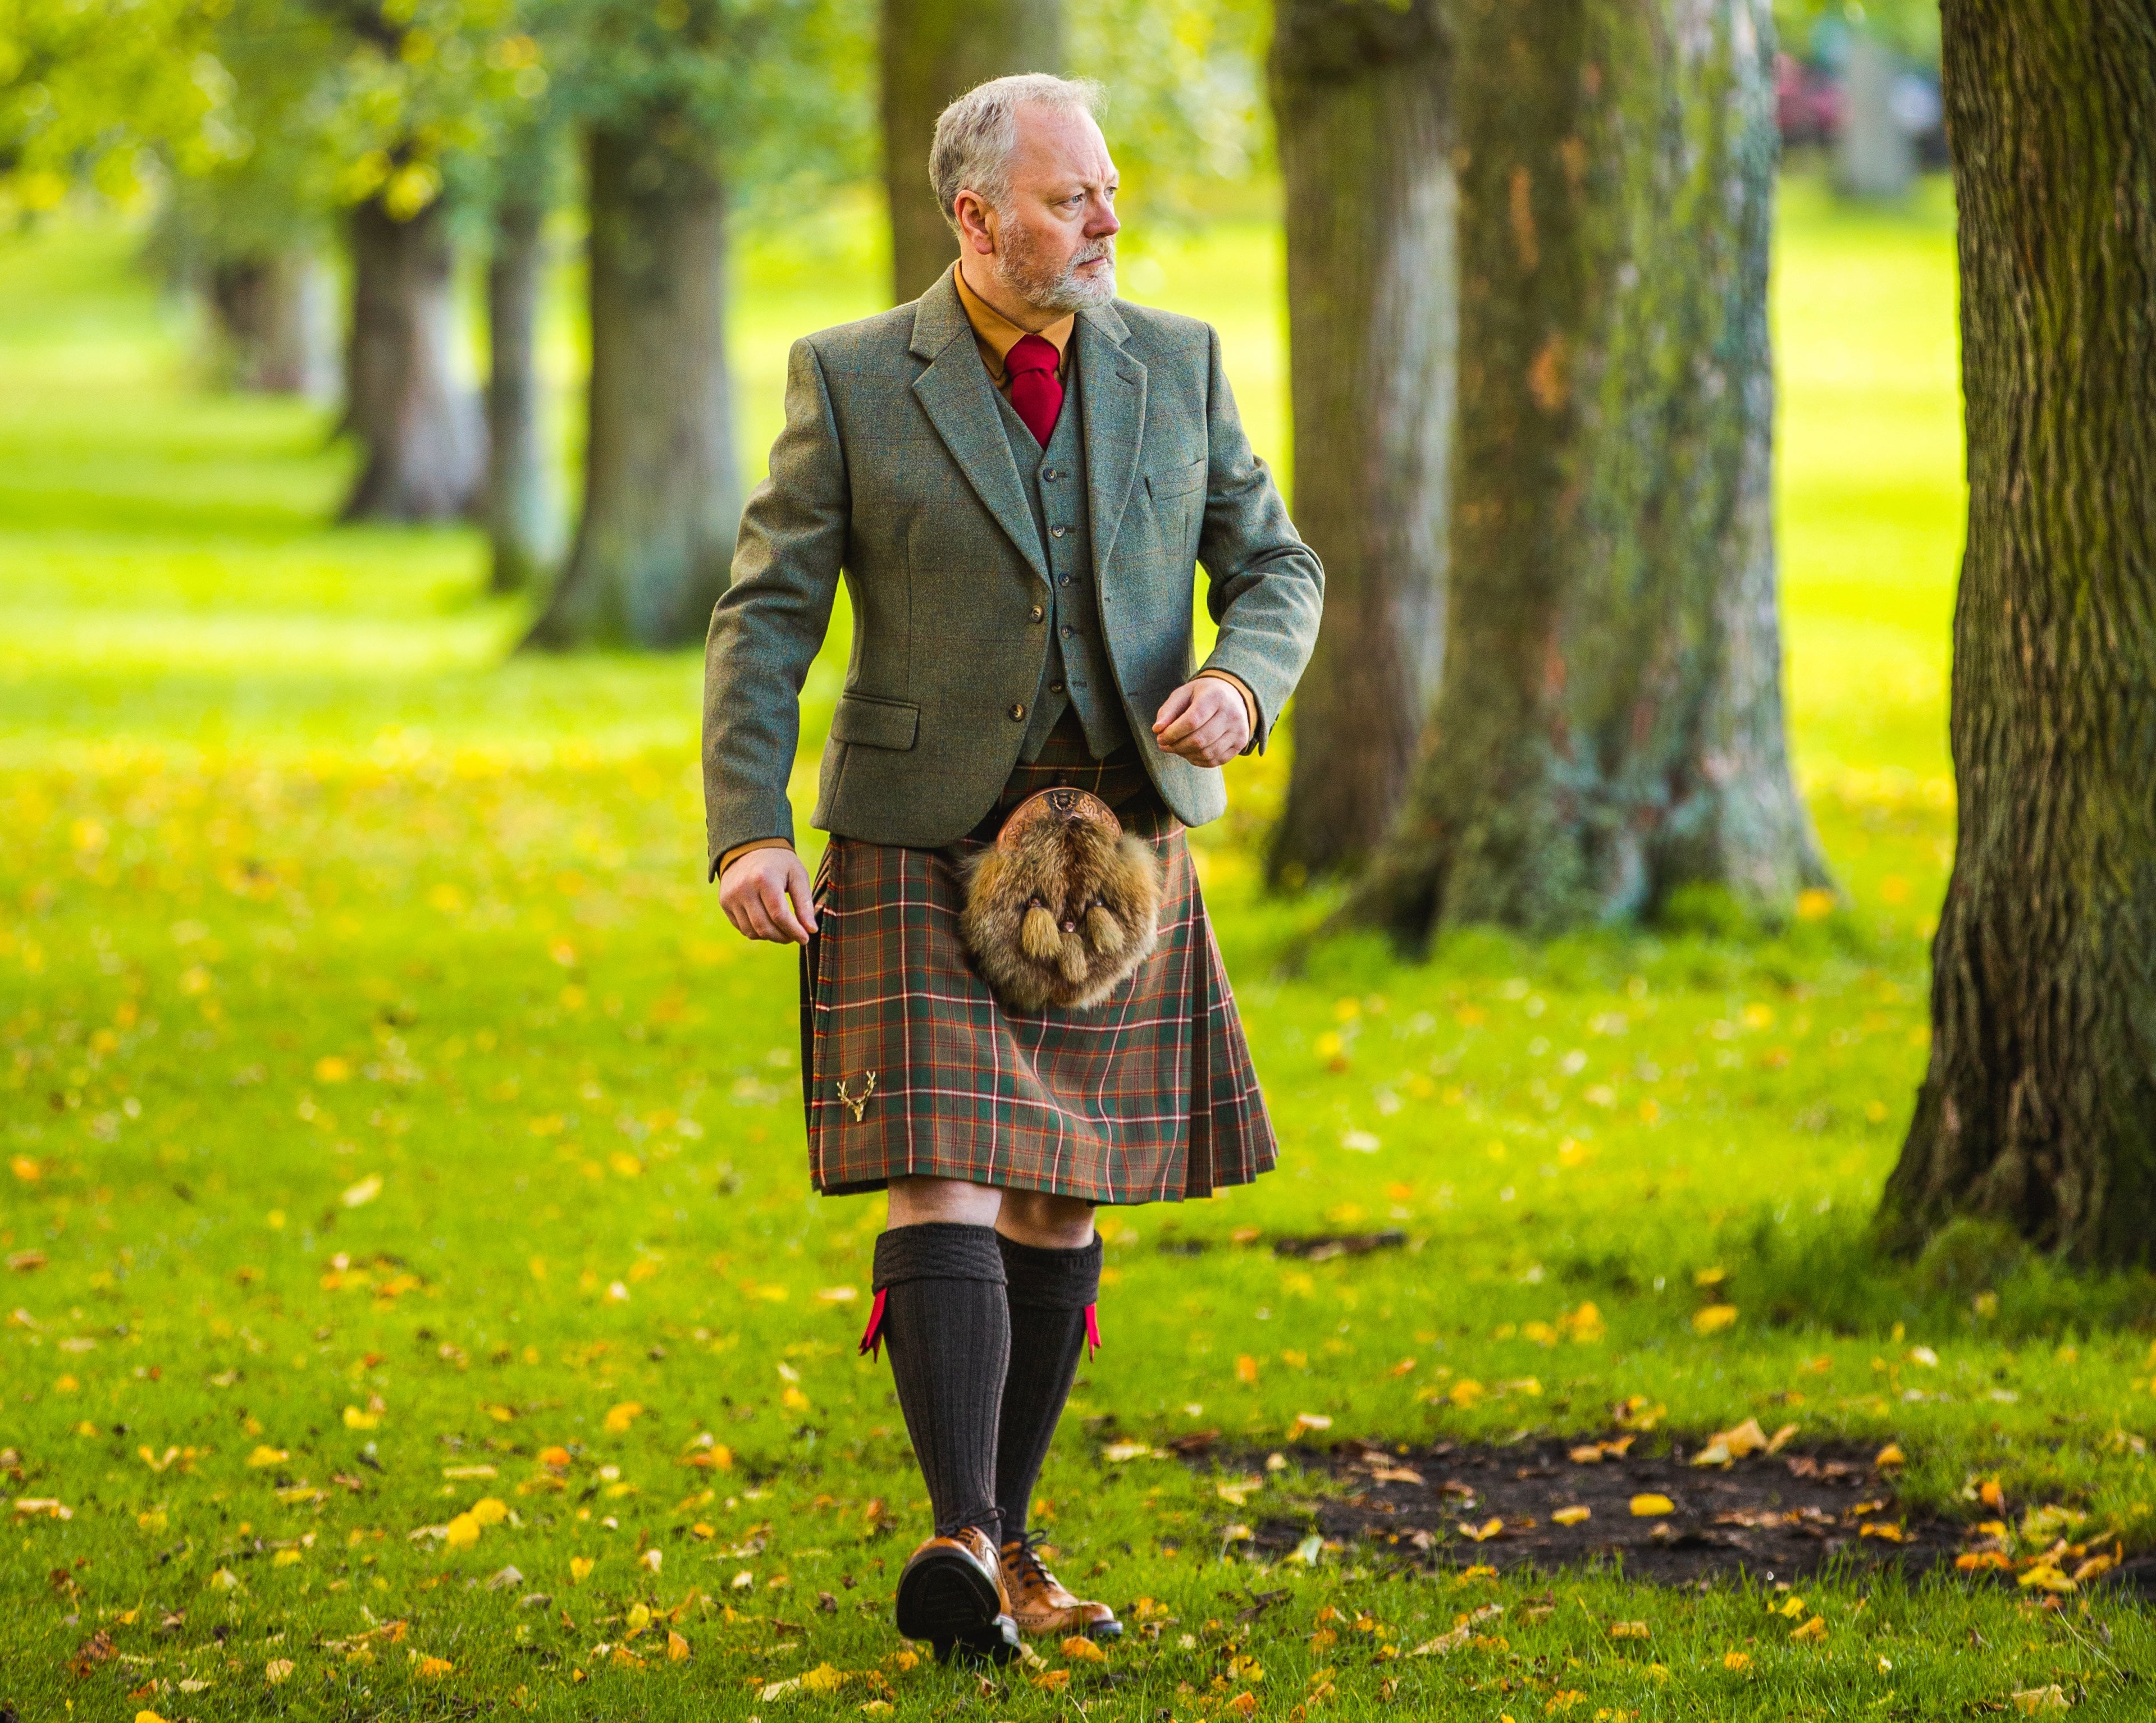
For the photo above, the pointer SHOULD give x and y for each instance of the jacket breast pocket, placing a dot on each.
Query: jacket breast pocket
(1175, 481)
(1178, 509)
(869, 721)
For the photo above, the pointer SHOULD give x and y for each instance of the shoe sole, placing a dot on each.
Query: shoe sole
(948, 1601)
(1096, 1630)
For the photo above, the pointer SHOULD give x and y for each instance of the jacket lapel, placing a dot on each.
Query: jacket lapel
(1112, 386)
(960, 402)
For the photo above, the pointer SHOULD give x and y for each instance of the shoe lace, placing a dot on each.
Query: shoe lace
(1025, 1556)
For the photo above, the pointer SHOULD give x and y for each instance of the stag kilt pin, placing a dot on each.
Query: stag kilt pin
(994, 582)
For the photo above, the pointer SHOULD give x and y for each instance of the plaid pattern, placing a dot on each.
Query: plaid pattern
(1150, 1097)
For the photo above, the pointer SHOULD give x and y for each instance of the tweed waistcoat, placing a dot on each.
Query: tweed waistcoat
(1076, 672)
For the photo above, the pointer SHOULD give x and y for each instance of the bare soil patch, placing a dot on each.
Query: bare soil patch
(1778, 1516)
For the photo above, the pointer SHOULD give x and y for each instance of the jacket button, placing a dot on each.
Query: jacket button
(1036, 614)
(1018, 712)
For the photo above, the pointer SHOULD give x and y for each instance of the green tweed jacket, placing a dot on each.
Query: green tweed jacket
(894, 470)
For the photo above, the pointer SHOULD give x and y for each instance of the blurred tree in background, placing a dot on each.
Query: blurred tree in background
(932, 52)
(682, 104)
(1609, 730)
(1362, 100)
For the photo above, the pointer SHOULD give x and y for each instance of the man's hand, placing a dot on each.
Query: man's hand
(1204, 721)
(754, 893)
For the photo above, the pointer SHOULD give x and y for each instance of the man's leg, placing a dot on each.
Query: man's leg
(1052, 1273)
(939, 1276)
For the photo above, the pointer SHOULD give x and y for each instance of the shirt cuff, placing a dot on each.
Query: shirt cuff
(1249, 702)
(739, 850)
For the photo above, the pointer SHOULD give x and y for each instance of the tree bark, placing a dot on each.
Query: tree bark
(2039, 1108)
(1609, 728)
(269, 323)
(662, 494)
(522, 514)
(933, 52)
(1362, 105)
(418, 425)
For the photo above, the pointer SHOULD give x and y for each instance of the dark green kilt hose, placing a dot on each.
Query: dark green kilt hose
(911, 1066)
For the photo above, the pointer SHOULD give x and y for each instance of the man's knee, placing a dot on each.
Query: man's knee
(917, 1202)
(1048, 1222)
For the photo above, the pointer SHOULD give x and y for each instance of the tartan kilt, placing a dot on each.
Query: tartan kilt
(1149, 1096)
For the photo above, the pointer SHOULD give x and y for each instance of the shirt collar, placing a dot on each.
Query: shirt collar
(997, 334)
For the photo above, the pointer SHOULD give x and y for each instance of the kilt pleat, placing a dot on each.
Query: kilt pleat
(912, 1065)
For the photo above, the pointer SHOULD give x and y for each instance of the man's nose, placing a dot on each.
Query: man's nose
(1103, 221)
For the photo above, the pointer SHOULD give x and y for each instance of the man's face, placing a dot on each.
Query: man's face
(1055, 243)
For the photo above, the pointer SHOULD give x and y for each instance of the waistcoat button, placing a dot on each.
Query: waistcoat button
(1049, 473)
(1057, 531)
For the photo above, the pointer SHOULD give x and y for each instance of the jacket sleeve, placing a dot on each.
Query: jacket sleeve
(767, 629)
(1264, 586)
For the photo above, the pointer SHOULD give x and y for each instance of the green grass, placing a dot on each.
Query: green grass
(387, 1099)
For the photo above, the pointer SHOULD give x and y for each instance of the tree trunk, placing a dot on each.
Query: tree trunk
(1610, 728)
(418, 425)
(2040, 1107)
(662, 496)
(522, 515)
(270, 323)
(1362, 98)
(934, 51)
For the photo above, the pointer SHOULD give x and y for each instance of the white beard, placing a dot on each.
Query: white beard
(1064, 289)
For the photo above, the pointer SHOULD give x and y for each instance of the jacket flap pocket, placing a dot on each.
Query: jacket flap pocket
(1175, 481)
(875, 723)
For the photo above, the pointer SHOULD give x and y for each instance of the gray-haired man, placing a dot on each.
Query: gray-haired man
(1015, 474)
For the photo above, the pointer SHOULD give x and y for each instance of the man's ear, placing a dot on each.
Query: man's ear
(975, 224)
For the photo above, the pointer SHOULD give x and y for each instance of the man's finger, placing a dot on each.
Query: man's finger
(804, 895)
(1173, 708)
(780, 913)
(1203, 737)
(1196, 714)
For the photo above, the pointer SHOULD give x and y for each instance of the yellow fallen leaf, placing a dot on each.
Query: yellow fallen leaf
(1630, 1630)
(431, 1669)
(619, 1418)
(355, 1419)
(651, 1559)
(1246, 1369)
(822, 1680)
(877, 1708)
(278, 1670)
(1792, 1607)
(793, 1399)
(1883, 1529)
(1890, 1455)
(140, 1716)
(2029, 1700)
(580, 1568)
(677, 1648)
(1737, 1660)
(1811, 1632)
(358, 1196)
(286, 1558)
(463, 1532)
(1712, 1319)
(1572, 1516)
(1650, 1505)
(1781, 1438)
(1081, 1649)
(223, 1580)
(262, 1456)
(1484, 1532)
(2045, 1577)
(1052, 1680)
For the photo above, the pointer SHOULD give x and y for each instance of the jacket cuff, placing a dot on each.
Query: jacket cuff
(1256, 744)
(728, 860)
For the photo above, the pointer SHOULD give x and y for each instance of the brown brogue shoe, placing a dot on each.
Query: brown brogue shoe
(1042, 1605)
(951, 1593)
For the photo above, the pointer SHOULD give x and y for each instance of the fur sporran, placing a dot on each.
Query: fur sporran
(1065, 905)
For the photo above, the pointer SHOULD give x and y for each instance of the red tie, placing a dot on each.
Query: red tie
(1035, 391)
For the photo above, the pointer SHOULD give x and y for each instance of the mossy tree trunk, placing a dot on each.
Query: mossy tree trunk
(933, 52)
(2039, 1108)
(418, 425)
(522, 514)
(1362, 100)
(1610, 728)
(662, 495)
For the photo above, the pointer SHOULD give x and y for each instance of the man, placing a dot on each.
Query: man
(1015, 474)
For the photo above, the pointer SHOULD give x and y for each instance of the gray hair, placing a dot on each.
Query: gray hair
(977, 134)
